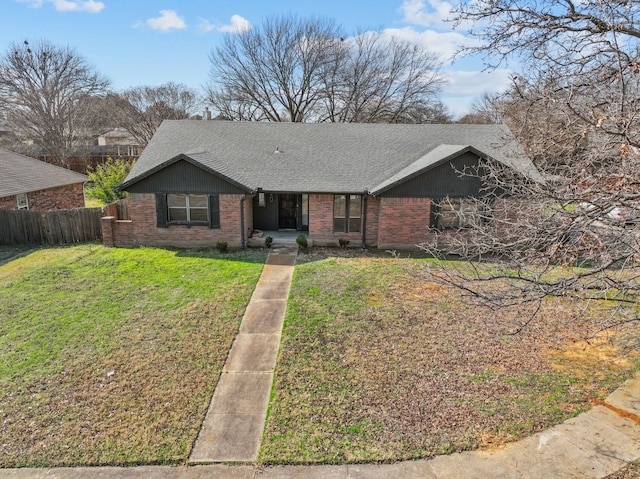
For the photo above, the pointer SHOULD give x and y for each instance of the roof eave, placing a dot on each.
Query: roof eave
(187, 158)
(383, 187)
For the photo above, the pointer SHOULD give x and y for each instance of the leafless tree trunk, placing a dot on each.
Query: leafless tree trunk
(306, 70)
(46, 91)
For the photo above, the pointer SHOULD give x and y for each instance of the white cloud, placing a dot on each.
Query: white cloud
(445, 44)
(205, 26)
(238, 25)
(435, 14)
(90, 6)
(167, 21)
(470, 83)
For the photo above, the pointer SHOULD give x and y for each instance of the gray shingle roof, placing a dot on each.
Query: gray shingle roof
(325, 157)
(23, 174)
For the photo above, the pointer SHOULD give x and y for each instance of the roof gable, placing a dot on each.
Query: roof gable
(202, 161)
(437, 156)
(23, 174)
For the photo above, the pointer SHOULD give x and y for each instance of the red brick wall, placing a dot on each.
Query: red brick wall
(321, 217)
(373, 213)
(403, 222)
(60, 198)
(9, 203)
(390, 222)
(141, 229)
(321, 221)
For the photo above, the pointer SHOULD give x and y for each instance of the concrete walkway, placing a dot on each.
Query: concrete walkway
(233, 426)
(591, 445)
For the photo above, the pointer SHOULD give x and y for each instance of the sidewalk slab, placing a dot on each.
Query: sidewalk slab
(271, 290)
(253, 353)
(599, 439)
(264, 316)
(229, 438)
(276, 273)
(25, 473)
(626, 426)
(216, 471)
(142, 472)
(281, 259)
(627, 397)
(409, 469)
(304, 472)
(476, 465)
(550, 454)
(232, 428)
(242, 393)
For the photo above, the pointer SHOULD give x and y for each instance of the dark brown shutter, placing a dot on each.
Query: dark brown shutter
(214, 211)
(162, 215)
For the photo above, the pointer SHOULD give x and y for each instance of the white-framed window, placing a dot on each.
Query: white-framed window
(456, 212)
(23, 201)
(188, 208)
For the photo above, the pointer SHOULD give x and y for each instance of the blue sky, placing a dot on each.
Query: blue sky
(150, 42)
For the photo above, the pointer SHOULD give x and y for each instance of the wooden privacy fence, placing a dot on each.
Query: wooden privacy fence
(119, 209)
(50, 227)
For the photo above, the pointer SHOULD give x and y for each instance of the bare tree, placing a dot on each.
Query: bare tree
(304, 70)
(575, 112)
(582, 55)
(382, 80)
(140, 110)
(488, 109)
(46, 91)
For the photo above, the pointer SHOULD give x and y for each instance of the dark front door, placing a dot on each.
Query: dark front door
(288, 212)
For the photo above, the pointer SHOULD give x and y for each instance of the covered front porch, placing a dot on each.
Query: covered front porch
(278, 211)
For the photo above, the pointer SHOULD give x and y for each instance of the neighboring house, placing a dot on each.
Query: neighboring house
(199, 182)
(116, 143)
(27, 183)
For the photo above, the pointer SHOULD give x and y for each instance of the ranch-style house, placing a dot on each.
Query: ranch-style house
(386, 185)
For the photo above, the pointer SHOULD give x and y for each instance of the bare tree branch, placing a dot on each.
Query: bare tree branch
(141, 109)
(305, 70)
(46, 91)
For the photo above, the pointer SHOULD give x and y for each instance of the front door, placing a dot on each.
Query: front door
(288, 212)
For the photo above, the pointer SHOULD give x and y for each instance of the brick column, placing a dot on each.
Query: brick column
(107, 231)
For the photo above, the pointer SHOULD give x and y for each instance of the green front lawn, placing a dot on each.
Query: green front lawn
(110, 356)
(377, 364)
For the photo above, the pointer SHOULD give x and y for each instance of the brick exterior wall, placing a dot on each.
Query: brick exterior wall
(390, 223)
(321, 218)
(60, 198)
(403, 222)
(373, 223)
(141, 229)
(321, 222)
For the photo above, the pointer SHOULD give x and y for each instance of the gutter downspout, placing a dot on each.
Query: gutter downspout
(364, 220)
(242, 245)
